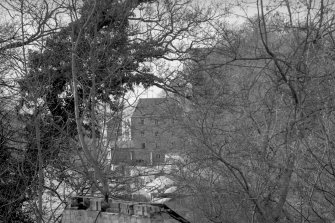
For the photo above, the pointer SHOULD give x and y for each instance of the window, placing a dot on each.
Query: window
(156, 145)
(158, 156)
(156, 133)
(142, 133)
(143, 145)
(142, 121)
(156, 122)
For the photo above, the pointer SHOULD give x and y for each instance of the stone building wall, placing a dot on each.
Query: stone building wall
(153, 129)
(84, 216)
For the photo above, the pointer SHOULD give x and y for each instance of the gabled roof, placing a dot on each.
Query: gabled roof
(165, 209)
(155, 107)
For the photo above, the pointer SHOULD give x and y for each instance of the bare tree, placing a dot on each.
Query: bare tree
(261, 115)
(23, 25)
(80, 77)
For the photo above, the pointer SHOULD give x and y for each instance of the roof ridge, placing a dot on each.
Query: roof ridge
(151, 106)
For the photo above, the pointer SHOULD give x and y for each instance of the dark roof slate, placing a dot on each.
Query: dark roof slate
(155, 107)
